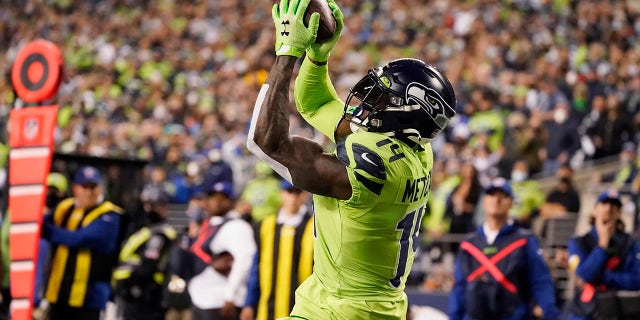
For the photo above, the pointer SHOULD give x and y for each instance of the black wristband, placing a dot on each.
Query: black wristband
(317, 63)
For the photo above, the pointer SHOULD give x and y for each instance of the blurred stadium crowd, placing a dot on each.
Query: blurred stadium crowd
(540, 84)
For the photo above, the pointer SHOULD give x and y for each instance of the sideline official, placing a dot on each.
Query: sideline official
(83, 232)
(140, 275)
(500, 272)
(284, 258)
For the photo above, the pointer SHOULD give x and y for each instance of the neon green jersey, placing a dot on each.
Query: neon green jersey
(365, 245)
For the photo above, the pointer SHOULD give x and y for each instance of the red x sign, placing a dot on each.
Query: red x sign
(489, 265)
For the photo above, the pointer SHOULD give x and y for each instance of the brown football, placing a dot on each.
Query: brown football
(327, 26)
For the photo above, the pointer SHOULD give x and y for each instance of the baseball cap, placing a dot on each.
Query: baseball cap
(155, 195)
(500, 184)
(286, 185)
(609, 197)
(223, 187)
(87, 174)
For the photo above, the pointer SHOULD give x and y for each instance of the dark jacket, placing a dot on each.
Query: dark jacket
(488, 295)
(614, 268)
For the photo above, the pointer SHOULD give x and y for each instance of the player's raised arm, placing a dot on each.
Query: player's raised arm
(316, 98)
(297, 159)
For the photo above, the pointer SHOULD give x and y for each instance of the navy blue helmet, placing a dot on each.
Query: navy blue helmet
(407, 98)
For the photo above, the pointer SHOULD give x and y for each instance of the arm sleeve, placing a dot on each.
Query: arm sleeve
(589, 267)
(181, 259)
(47, 224)
(100, 235)
(253, 285)
(239, 242)
(316, 98)
(542, 288)
(629, 278)
(41, 266)
(457, 295)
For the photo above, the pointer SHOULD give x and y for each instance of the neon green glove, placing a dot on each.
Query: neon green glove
(292, 37)
(319, 52)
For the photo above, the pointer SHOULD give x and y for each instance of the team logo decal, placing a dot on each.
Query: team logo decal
(89, 172)
(31, 128)
(430, 101)
(385, 81)
(284, 31)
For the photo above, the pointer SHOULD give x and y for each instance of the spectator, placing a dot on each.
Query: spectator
(188, 185)
(262, 192)
(531, 144)
(158, 179)
(140, 275)
(196, 212)
(84, 233)
(223, 253)
(605, 259)
(611, 130)
(462, 202)
(587, 128)
(485, 163)
(285, 249)
(564, 140)
(218, 169)
(486, 119)
(528, 195)
(628, 166)
(564, 197)
(437, 223)
(499, 271)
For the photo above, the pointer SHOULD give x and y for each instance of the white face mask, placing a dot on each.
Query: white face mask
(560, 116)
(481, 164)
(214, 155)
(518, 176)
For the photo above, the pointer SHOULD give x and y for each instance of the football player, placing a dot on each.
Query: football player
(371, 194)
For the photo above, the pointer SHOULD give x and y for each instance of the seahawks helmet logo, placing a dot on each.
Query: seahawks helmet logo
(430, 101)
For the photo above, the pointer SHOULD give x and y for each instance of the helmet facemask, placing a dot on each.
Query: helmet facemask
(367, 98)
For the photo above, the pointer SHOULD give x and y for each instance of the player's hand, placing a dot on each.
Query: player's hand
(319, 52)
(292, 37)
(605, 230)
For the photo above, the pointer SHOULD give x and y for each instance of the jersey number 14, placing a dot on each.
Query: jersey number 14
(410, 227)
